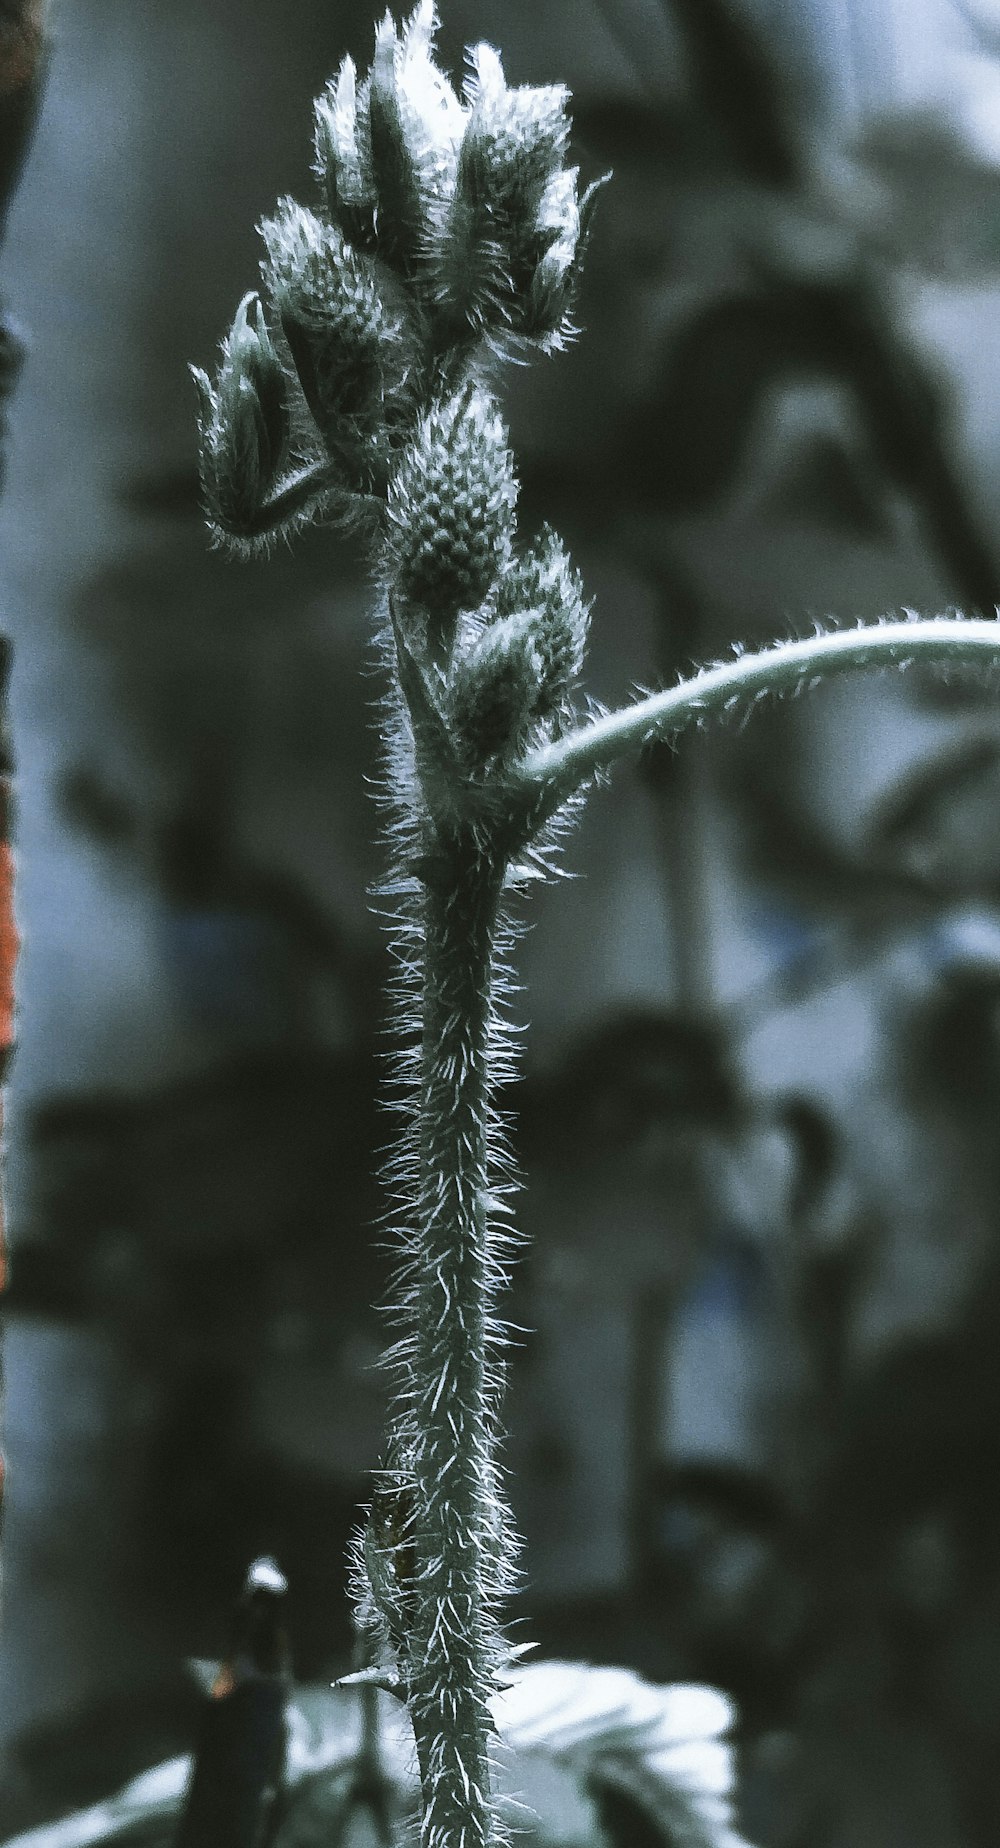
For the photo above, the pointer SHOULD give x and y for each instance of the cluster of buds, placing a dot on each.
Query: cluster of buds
(447, 226)
(514, 683)
(468, 198)
(500, 636)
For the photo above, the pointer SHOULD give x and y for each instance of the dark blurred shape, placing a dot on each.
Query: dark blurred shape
(632, 1073)
(235, 1795)
(246, 1155)
(624, 1821)
(821, 307)
(954, 1039)
(22, 71)
(941, 825)
(987, 30)
(714, 1568)
(741, 87)
(370, 1797)
(943, 200)
(824, 480)
(686, 447)
(175, 494)
(90, 804)
(245, 941)
(72, 1760)
(217, 1232)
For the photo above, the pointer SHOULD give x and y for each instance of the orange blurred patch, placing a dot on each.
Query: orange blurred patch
(10, 943)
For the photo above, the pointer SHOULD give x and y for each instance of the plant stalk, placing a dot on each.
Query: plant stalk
(454, 1410)
(555, 771)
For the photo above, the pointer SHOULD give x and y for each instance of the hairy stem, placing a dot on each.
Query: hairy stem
(454, 1640)
(557, 769)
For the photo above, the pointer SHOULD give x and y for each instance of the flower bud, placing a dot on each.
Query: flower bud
(494, 691)
(451, 512)
(400, 215)
(387, 1548)
(350, 194)
(342, 337)
(548, 593)
(244, 422)
(548, 298)
(415, 123)
(512, 200)
(514, 142)
(387, 150)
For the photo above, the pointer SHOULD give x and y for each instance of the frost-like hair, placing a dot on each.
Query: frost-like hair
(448, 232)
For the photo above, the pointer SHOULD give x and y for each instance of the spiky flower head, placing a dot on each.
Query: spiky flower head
(451, 511)
(542, 584)
(244, 423)
(349, 346)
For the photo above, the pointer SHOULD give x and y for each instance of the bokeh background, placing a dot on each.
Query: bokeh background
(755, 1420)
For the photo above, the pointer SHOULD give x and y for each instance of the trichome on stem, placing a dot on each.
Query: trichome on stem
(359, 387)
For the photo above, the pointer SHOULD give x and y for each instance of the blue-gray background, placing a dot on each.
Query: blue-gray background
(753, 1429)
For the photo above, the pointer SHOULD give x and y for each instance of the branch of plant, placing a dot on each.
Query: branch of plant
(444, 225)
(554, 771)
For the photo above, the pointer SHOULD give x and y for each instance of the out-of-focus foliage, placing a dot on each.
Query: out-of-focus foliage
(591, 1758)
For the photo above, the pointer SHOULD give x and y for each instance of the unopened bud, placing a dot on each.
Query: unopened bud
(451, 512)
(342, 337)
(501, 220)
(387, 149)
(390, 1563)
(548, 594)
(350, 194)
(548, 298)
(400, 216)
(494, 691)
(514, 142)
(244, 422)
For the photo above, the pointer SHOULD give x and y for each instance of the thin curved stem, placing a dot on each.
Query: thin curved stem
(556, 770)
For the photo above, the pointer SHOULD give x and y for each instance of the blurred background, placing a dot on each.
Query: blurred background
(755, 1420)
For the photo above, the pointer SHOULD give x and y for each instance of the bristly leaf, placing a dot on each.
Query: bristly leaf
(434, 750)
